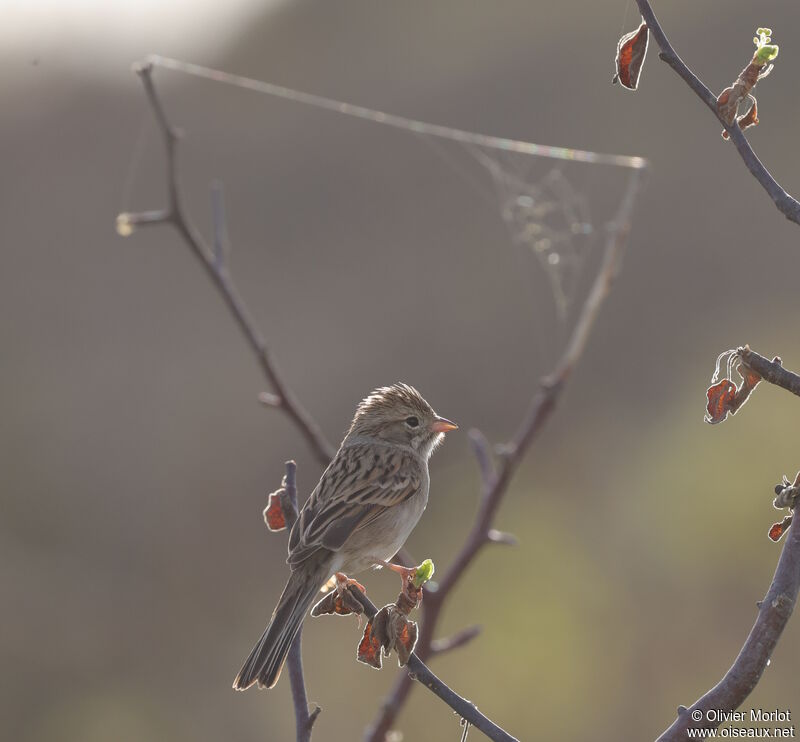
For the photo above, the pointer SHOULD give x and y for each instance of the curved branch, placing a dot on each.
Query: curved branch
(773, 614)
(214, 266)
(787, 205)
(495, 482)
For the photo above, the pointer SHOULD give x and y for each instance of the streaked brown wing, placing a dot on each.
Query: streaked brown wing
(360, 483)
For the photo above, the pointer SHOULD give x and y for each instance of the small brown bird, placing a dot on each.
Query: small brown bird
(359, 515)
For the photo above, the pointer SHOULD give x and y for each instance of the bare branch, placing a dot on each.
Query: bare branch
(541, 406)
(304, 720)
(501, 537)
(744, 674)
(771, 371)
(419, 671)
(218, 219)
(216, 270)
(787, 205)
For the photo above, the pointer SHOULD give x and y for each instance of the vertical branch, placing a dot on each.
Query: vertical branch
(304, 721)
(494, 482)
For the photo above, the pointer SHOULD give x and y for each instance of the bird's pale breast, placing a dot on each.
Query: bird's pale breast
(381, 539)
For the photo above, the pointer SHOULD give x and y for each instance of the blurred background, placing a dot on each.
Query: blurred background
(135, 568)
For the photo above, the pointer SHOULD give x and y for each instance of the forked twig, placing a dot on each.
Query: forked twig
(282, 396)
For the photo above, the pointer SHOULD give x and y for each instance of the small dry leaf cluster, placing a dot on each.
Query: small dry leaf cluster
(724, 397)
(732, 97)
(787, 496)
(390, 629)
(632, 50)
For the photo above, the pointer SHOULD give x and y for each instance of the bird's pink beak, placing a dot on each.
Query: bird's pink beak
(442, 425)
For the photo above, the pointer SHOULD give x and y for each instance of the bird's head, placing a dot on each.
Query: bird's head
(399, 414)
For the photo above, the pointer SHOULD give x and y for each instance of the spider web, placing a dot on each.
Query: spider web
(544, 212)
(548, 217)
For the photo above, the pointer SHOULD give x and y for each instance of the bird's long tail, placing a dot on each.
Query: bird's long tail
(265, 662)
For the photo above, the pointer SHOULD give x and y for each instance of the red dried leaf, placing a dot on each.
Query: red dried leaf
(405, 640)
(776, 531)
(369, 649)
(750, 378)
(273, 513)
(338, 603)
(720, 398)
(631, 51)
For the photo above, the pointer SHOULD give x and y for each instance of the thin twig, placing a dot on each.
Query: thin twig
(419, 671)
(787, 205)
(773, 614)
(457, 640)
(483, 455)
(304, 721)
(218, 219)
(217, 271)
(495, 483)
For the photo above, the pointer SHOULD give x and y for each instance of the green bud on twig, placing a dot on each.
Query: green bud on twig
(423, 574)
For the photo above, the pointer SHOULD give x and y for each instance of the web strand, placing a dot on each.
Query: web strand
(546, 216)
(399, 122)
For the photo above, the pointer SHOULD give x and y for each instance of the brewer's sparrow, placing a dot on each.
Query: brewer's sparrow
(360, 513)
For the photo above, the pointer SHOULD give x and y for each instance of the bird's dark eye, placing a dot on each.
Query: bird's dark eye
(412, 422)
